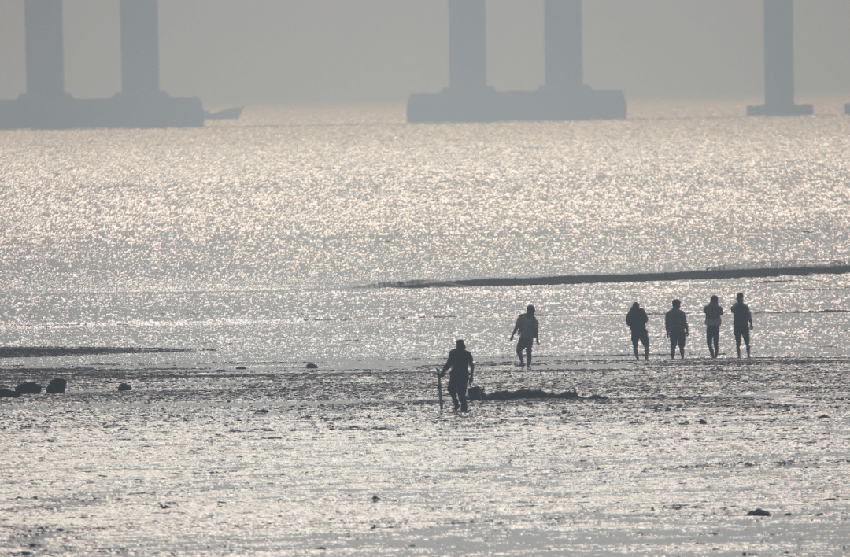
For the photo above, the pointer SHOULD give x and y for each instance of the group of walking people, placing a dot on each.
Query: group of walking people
(676, 325)
(462, 366)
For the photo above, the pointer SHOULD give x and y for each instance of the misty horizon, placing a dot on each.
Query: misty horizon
(331, 52)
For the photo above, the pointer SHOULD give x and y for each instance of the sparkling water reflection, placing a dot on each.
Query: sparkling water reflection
(253, 244)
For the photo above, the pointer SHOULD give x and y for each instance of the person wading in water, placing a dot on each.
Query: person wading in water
(463, 371)
(527, 326)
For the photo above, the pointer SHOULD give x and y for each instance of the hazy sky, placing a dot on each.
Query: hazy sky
(301, 51)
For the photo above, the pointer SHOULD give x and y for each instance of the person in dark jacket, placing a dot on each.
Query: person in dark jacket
(676, 323)
(636, 320)
(461, 376)
(713, 311)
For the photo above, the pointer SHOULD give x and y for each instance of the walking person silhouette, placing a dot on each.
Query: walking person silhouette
(713, 311)
(743, 323)
(636, 320)
(461, 376)
(676, 323)
(527, 326)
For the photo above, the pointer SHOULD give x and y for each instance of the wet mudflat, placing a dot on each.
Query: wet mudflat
(205, 460)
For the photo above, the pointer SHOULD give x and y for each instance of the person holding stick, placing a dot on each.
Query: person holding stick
(461, 376)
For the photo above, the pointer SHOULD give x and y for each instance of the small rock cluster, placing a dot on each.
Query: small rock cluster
(56, 386)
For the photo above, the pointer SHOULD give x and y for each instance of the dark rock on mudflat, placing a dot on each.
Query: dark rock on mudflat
(311, 365)
(6, 393)
(241, 368)
(375, 498)
(28, 388)
(532, 394)
(758, 512)
(476, 393)
(57, 386)
(702, 421)
(124, 387)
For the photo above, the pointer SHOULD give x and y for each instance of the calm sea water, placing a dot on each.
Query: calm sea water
(259, 243)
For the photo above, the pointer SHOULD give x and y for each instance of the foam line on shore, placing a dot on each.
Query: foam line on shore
(709, 274)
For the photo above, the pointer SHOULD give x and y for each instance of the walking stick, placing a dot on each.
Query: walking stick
(440, 388)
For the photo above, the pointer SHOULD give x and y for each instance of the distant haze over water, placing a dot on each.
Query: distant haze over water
(295, 52)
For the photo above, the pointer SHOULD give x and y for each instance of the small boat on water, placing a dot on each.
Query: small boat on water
(226, 114)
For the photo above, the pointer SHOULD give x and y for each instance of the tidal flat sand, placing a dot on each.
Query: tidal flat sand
(668, 459)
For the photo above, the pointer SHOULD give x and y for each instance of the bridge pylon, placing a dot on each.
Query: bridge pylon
(469, 99)
(779, 63)
(140, 104)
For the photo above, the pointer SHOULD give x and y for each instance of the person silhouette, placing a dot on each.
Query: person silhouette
(461, 376)
(713, 311)
(527, 326)
(636, 320)
(676, 323)
(743, 323)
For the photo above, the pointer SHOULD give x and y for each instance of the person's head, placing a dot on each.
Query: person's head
(677, 303)
(715, 300)
(740, 296)
(635, 305)
(530, 309)
(460, 345)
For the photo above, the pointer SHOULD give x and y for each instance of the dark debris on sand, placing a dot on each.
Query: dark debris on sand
(523, 394)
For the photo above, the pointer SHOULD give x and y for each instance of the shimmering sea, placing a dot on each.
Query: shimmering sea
(241, 252)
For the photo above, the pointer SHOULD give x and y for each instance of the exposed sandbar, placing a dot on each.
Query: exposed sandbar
(708, 274)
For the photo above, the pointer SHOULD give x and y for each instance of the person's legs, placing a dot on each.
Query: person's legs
(746, 335)
(453, 391)
(528, 349)
(682, 340)
(673, 344)
(708, 337)
(519, 349)
(716, 334)
(461, 393)
(634, 346)
(645, 340)
(713, 337)
(738, 342)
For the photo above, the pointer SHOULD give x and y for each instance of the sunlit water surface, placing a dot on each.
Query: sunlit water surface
(258, 245)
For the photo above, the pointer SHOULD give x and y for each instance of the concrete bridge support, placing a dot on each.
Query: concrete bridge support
(139, 48)
(779, 62)
(469, 99)
(468, 45)
(140, 104)
(563, 44)
(45, 49)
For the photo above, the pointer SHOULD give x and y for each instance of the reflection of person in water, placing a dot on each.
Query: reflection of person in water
(636, 320)
(461, 376)
(743, 323)
(713, 311)
(676, 323)
(527, 326)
